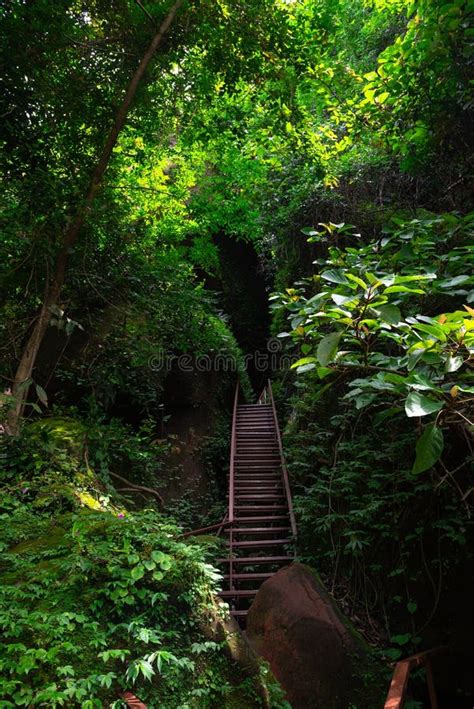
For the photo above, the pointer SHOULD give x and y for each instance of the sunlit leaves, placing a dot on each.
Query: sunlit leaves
(419, 405)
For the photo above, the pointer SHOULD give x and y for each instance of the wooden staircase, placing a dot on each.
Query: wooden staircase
(261, 527)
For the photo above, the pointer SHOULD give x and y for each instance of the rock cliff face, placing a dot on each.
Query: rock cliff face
(314, 653)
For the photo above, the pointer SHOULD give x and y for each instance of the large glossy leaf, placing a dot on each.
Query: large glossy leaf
(434, 330)
(334, 275)
(390, 313)
(357, 280)
(428, 448)
(418, 405)
(403, 289)
(327, 348)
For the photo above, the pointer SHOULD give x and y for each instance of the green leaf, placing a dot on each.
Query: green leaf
(327, 348)
(402, 289)
(400, 639)
(428, 448)
(334, 275)
(435, 331)
(342, 299)
(41, 394)
(137, 572)
(451, 283)
(453, 364)
(389, 313)
(304, 360)
(357, 280)
(418, 405)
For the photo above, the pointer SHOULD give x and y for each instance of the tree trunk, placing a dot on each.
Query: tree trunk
(53, 288)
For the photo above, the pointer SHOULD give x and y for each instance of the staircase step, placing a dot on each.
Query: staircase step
(248, 467)
(260, 487)
(256, 530)
(263, 508)
(250, 576)
(262, 543)
(251, 453)
(260, 498)
(251, 433)
(263, 473)
(256, 560)
(270, 518)
(240, 407)
(255, 421)
(257, 478)
(254, 483)
(255, 473)
(244, 415)
(256, 448)
(246, 593)
(260, 422)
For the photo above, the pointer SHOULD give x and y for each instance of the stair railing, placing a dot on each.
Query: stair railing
(233, 443)
(267, 396)
(401, 674)
(211, 528)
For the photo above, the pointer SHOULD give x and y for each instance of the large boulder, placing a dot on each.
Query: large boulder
(313, 651)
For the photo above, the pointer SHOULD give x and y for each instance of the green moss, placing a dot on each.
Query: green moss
(60, 431)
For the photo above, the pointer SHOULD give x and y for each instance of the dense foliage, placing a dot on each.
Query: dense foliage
(334, 138)
(381, 350)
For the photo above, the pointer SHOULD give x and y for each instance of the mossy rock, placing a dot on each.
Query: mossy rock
(64, 432)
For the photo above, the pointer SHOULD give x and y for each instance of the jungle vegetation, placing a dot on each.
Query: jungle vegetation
(332, 139)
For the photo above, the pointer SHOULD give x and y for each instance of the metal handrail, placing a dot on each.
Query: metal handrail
(401, 675)
(220, 526)
(132, 701)
(286, 480)
(232, 455)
